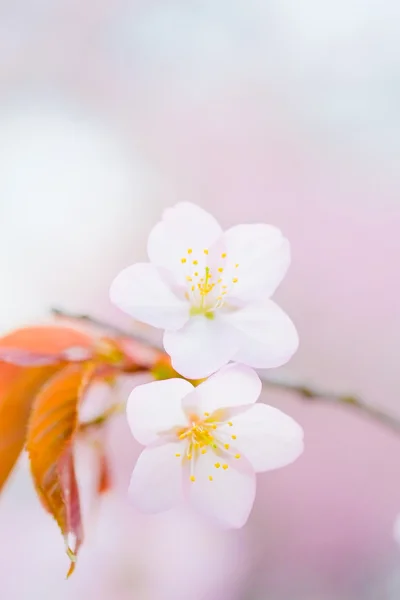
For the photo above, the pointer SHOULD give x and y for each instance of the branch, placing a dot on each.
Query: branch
(306, 392)
(346, 400)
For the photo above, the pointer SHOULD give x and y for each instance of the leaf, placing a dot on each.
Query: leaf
(47, 339)
(19, 386)
(74, 537)
(52, 427)
(38, 346)
(26, 358)
(104, 481)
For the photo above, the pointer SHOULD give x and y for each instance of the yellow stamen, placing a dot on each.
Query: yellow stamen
(230, 423)
(217, 465)
(189, 457)
(237, 455)
(235, 280)
(183, 260)
(177, 454)
(220, 270)
(234, 437)
(190, 251)
(225, 467)
(192, 478)
(196, 274)
(195, 262)
(210, 477)
(205, 251)
(226, 446)
(214, 426)
(223, 255)
(206, 414)
(204, 451)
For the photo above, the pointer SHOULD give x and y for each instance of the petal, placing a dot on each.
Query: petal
(228, 498)
(184, 226)
(266, 336)
(140, 291)
(156, 482)
(201, 347)
(156, 407)
(263, 257)
(266, 436)
(233, 385)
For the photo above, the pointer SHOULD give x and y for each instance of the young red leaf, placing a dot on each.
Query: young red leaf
(74, 538)
(52, 427)
(104, 481)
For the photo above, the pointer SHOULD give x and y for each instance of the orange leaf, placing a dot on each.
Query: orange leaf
(52, 427)
(38, 346)
(19, 386)
(47, 339)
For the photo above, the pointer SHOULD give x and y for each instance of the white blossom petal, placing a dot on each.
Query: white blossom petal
(156, 483)
(156, 407)
(266, 436)
(266, 336)
(263, 257)
(184, 227)
(232, 386)
(228, 498)
(201, 347)
(140, 291)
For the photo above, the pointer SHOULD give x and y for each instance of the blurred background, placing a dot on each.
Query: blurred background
(258, 110)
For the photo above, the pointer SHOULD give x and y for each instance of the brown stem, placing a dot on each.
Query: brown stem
(306, 392)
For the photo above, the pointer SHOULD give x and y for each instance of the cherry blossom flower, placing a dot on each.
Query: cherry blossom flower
(210, 291)
(204, 444)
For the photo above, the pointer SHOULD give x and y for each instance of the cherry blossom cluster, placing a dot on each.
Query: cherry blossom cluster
(210, 291)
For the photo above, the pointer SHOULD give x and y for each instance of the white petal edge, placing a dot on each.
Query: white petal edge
(156, 483)
(262, 254)
(140, 291)
(201, 347)
(396, 529)
(229, 497)
(266, 436)
(184, 226)
(266, 336)
(233, 385)
(156, 407)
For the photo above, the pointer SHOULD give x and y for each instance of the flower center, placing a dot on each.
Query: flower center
(207, 286)
(202, 436)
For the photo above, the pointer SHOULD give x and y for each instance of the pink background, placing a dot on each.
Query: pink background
(276, 111)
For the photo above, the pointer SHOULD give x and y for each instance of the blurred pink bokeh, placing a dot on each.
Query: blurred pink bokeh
(273, 111)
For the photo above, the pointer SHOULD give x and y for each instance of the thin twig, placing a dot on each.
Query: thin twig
(304, 391)
(346, 400)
